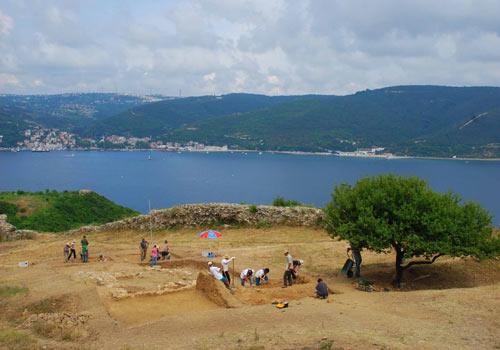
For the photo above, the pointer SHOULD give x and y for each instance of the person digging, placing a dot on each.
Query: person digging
(288, 275)
(215, 272)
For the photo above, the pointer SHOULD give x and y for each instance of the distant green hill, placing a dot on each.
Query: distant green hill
(413, 120)
(161, 118)
(407, 120)
(68, 111)
(13, 122)
(52, 211)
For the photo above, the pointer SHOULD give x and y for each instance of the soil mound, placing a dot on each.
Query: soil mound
(215, 291)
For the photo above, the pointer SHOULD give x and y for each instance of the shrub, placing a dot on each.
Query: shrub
(263, 224)
(252, 208)
(282, 202)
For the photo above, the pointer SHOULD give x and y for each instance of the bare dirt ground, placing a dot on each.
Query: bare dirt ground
(122, 304)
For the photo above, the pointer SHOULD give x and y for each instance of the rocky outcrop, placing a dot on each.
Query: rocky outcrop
(217, 214)
(8, 232)
(61, 326)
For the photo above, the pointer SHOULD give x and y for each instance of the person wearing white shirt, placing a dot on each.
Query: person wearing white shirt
(225, 266)
(246, 275)
(215, 272)
(261, 276)
(288, 275)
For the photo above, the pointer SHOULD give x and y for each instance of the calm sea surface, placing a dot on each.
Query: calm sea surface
(130, 179)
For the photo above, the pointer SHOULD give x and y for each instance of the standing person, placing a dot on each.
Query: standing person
(85, 250)
(66, 251)
(288, 275)
(165, 252)
(321, 289)
(261, 276)
(356, 253)
(225, 266)
(143, 246)
(215, 272)
(72, 250)
(246, 275)
(154, 255)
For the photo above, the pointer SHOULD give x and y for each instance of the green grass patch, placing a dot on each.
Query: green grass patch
(15, 340)
(10, 291)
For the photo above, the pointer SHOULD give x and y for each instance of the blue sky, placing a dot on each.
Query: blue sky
(271, 47)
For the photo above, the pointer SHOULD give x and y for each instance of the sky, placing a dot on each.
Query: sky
(273, 47)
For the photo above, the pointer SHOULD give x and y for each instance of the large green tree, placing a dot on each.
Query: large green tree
(402, 213)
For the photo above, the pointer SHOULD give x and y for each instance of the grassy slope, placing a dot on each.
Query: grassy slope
(59, 211)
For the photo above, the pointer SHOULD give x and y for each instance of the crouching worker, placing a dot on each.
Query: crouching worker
(261, 276)
(215, 271)
(297, 264)
(246, 275)
(321, 289)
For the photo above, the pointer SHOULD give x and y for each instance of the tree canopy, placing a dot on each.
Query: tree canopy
(402, 213)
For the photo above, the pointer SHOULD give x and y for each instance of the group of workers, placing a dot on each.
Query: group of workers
(261, 276)
(222, 274)
(156, 252)
(70, 250)
(247, 275)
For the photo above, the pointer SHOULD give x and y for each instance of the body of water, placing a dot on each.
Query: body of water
(167, 179)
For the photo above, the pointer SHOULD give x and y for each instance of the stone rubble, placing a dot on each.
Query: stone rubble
(9, 232)
(220, 214)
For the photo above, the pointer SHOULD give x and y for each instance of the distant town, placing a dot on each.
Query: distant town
(40, 139)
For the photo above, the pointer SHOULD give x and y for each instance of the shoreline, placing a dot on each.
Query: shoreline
(297, 153)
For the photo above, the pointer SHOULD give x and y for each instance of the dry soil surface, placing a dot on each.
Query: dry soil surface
(123, 304)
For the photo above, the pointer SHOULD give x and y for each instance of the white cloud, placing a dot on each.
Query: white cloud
(6, 24)
(8, 79)
(273, 79)
(263, 46)
(209, 77)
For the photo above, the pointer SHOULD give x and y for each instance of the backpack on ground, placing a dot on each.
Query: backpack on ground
(347, 268)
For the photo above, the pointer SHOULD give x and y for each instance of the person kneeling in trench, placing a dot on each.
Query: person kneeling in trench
(215, 271)
(261, 276)
(246, 275)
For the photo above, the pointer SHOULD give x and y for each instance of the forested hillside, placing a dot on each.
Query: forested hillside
(406, 120)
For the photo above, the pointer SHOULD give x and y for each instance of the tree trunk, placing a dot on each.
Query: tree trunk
(399, 268)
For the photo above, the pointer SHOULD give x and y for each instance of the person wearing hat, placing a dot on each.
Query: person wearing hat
(215, 272)
(288, 275)
(72, 250)
(225, 266)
